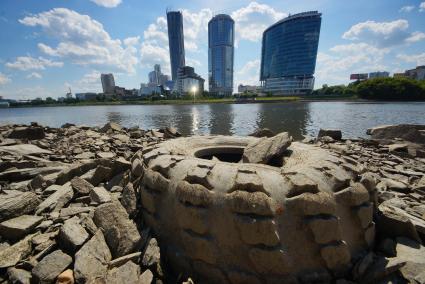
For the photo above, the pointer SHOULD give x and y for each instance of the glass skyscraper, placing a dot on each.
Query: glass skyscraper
(221, 39)
(175, 41)
(288, 56)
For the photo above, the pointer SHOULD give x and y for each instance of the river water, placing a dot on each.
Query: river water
(298, 118)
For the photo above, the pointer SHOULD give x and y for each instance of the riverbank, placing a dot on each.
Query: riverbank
(70, 206)
(197, 101)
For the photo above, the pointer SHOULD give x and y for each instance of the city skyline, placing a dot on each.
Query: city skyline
(54, 45)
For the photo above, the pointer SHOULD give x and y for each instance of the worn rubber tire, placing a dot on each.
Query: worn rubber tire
(249, 223)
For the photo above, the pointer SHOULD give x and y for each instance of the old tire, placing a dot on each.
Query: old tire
(249, 223)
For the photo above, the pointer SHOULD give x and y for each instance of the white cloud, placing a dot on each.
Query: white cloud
(4, 79)
(195, 27)
(336, 66)
(25, 63)
(415, 37)
(249, 74)
(422, 7)
(253, 19)
(34, 75)
(107, 3)
(418, 59)
(379, 33)
(83, 40)
(407, 9)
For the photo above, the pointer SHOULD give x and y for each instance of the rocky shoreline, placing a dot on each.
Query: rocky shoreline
(70, 210)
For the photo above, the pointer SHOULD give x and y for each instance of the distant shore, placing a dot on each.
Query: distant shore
(199, 101)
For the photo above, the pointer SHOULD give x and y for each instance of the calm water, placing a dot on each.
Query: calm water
(299, 118)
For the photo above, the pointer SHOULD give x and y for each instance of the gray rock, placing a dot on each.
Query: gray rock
(151, 256)
(19, 276)
(26, 174)
(18, 227)
(72, 235)
(81, 186)
(51, 266)
(57, 200)
(407, 132)
(393, 222)
(265, 149)
(101, 174)
(91, 261)
(333, 133)
(14, 203)
(127, 273)
(111, 126)
(105, 155)
(76, 170)
(121, 233)
(30, 133)
(100, 195)
(10, 256)
(398, 148)
(129, 200)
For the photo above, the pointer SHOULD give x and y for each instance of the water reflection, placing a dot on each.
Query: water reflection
(220, 119)
(240, 119)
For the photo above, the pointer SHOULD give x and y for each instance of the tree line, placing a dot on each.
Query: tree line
(397, 89)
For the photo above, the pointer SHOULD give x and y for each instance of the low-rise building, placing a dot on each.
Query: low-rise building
(248, 88)
(379, 74)
(417, 74)
(188, 81)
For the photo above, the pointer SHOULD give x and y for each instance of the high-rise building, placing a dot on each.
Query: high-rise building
(288, 56)
(108, 83)
(221, 39)
(175, 41)
(156, 77)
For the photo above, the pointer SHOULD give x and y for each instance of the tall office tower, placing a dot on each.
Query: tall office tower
(289, 52)
(221, 39)
(108, 83)
(175, 41)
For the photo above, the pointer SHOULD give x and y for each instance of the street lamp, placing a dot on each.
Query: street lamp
(194, 89)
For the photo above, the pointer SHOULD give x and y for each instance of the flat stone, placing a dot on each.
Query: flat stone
(398, 148)
(51, 266)
(135, 257)
(105, 155)
(10, 256)
(57, 200)
(85, 156)
(75, 210)
(100, 195)
(264, 132)
(91, 261)
(24, 149)
(101, 174)
(14, 203)
(121, 233)
(72, 235)
(265, 149)
(19, 275)
(81, 186)
(127, 273)
(18, 227)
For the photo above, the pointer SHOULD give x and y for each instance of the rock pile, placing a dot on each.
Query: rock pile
(399, 176)
(68, 207)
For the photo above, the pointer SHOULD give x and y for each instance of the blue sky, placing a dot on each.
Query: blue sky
(50, 45)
